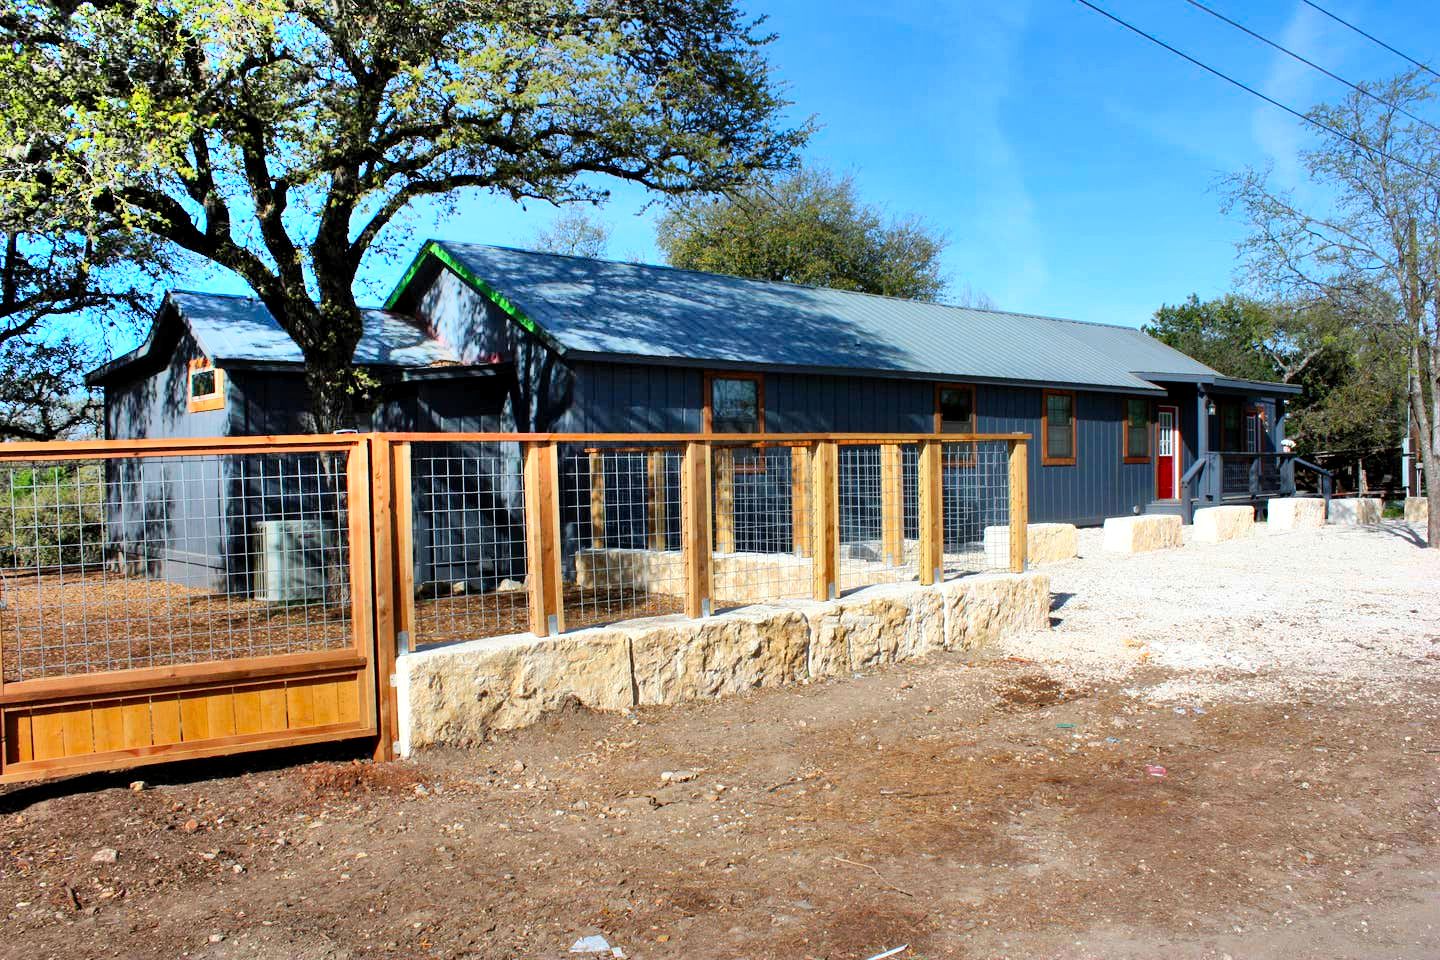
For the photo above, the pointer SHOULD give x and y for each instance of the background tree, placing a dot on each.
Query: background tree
(62, 290)
(576, 232)
(1352, 386)
(808, 227)
(278, 138)
(1372, 245)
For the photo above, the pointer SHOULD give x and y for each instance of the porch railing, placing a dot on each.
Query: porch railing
(1230, 475)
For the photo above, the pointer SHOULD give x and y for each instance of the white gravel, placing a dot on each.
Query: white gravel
(1278, 616)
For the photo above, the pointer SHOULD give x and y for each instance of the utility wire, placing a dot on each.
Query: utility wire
(1334, 131)
(1312, 64)
(1373, 39)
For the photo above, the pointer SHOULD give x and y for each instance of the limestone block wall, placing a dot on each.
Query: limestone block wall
(461, 694)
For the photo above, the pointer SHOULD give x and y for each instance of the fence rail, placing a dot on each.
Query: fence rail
(552, 532)
(186, 597)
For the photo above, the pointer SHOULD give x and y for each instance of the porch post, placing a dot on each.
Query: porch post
(1202, 441)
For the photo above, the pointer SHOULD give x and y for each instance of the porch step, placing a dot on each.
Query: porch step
(1163, 507)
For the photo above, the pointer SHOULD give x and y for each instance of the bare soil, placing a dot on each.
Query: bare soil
(1146, 801)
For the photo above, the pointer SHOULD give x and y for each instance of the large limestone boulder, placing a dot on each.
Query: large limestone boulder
(1152, 531)
(1417, 510)
(1217, 524)
(676, 660)
(860, 632)
(1356, 511)
(1296, 513)
(459, 694)
(1044, 543)
(981, 610)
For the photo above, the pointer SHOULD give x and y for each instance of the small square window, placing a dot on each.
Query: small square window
(206, 387)
(736, 405)
(954, 409)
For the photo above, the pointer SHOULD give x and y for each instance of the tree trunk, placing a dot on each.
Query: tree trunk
(1427, 421)
(1361, 486)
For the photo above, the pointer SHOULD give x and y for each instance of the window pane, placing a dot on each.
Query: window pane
(734, 406)
(1058, 412)
(957, 410)
(1137, 428)
(202, 383)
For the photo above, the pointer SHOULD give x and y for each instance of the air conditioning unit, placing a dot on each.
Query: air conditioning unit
(291, 566)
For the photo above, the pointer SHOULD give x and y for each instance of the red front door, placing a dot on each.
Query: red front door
(1167, 454)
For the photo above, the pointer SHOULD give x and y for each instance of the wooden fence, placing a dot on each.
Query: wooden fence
(185, 598)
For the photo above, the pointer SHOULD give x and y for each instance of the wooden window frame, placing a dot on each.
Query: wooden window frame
(974, 411)
(709, 400)
(966, 457)
(1151, 446)
(1045, 458)
(758, 465)
(208, 401)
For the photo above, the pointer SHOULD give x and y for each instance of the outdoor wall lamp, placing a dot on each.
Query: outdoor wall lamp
(1210, 407)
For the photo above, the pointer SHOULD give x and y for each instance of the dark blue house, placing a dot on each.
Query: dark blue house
(488, 338)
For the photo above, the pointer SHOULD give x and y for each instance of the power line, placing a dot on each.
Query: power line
(1373, 39)
(1334, 131)
(1312, 64)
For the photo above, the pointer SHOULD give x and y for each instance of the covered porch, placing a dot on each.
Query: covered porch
(1221, 441)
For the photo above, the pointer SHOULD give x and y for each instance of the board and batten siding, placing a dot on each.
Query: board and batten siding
(626, 398)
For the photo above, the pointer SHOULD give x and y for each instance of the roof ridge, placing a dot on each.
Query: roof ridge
(781, 283)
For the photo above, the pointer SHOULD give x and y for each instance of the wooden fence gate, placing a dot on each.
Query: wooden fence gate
(176, 599)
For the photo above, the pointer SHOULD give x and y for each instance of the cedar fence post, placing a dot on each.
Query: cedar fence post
(892, 505)
(932, 513)
(542, 539)
(800, 499)
(597, 499)
(1019, 504)
(695, 527)
(658, 515)
(825, 510)
(724, 458)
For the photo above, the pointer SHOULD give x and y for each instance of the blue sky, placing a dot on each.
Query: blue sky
(1072, 164)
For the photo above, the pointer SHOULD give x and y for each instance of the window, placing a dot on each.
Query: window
(1057, 429)
(734, 403)
(954, 408)
(207, 386)
(1137, 431)
(1229, 426)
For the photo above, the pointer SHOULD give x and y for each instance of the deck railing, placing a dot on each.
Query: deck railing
(1231, 475)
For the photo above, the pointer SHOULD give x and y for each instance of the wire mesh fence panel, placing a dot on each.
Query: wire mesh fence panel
(157, 561)
(975, 486)
(620, 532)
(468, 529)
(760, 511)
(873, 508)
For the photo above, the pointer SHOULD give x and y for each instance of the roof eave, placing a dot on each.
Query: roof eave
(1224, 382)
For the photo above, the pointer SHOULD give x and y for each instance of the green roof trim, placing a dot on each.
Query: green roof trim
(433, 248)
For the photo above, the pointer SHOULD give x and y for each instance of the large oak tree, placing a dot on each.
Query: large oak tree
(279, 138)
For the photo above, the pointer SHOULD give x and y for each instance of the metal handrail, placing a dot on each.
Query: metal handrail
(1187, 508)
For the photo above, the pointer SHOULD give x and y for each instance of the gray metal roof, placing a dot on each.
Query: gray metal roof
(241, 328)
(600, 307)
(233, 328)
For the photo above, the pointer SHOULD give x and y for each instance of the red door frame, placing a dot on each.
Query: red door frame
(1178, 456)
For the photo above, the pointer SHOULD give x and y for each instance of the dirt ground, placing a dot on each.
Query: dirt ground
(1229, 750)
